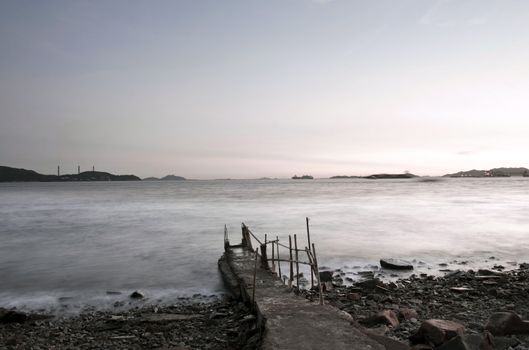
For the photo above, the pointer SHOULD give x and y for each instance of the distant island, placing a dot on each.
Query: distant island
(303, 177)
(391, 176)
(496, 172)
(8, 174)
(377, 176)
(166, 178)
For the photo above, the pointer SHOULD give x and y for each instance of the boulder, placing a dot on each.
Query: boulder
(506, 323)
(396, 264)
(136, 295)
(12, 316)
(469, 342)
(386, 317)
(407, 313)
(437, 332)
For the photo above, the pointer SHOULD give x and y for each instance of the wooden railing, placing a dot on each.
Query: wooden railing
(293, 258)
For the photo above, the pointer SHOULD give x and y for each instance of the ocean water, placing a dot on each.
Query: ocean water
(64, 245)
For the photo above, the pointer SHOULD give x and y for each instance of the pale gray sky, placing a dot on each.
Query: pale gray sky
(250, 88)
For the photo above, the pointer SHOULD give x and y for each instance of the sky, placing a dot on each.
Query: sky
(254, 88)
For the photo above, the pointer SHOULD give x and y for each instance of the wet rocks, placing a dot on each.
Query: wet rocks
(12, 316)
(407, 313)
(136, 295)
(385, 317)
(212, 324)
(437, 332)
(469, 342)
(506, 323)
(396, 264)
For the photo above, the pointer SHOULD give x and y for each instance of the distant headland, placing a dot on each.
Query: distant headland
(377, 176)
(495, 172)
(166, 178)
(8, 174)
(303, 177)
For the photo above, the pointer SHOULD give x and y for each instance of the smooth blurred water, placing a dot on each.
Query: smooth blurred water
(78, 240)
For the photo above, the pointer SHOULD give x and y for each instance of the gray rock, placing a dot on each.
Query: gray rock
(469, 342)
(396, 264)
(136, 295)
(506, 323)
(437, 332)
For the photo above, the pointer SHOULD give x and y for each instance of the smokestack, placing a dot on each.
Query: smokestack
(93, 168)
(58, 171)
(78, 169)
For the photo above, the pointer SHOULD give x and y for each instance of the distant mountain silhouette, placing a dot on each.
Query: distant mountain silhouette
(303, 177)
(173, 178)
(391, 176)
(8, 174)
(377, 176)
(495, 172)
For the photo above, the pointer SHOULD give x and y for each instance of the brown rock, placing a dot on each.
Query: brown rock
(506, 323)
(407, 313)
(469, 342)
(387, 317)
(354, 296)
(437, 332)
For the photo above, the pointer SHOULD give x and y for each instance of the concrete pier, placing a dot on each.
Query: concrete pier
(289, 321)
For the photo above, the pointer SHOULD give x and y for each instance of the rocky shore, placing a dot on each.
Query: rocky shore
(461, 310)
(221, 323)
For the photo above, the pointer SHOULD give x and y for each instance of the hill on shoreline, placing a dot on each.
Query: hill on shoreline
(8, 174)
(495, 172)
(166, 178)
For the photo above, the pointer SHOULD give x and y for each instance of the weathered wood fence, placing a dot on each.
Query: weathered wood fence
(272, 262)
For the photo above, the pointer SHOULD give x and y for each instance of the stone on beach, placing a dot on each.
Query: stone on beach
(396, 264)
(506, 323)
(469, 342)
(12, 316)
(437, 332)
(407, 313)
(387, 317)
(136, 295)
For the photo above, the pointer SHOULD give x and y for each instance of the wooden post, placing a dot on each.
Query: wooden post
(246, 240)
(291, 264)
(317, 272)
(226, 240)
(278, 262)
(254, 275)
(273, 257)
(297, 260)
(243, 242)
(308, 239)
(264, 257)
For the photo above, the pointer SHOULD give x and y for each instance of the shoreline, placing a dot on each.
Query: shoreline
(398, 309)
(467, 297)
(220, 323)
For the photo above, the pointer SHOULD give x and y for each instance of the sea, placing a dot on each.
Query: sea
(74, 246)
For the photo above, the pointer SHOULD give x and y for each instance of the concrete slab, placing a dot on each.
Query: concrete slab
(292, 322)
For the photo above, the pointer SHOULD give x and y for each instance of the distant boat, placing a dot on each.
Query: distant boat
(303, 177)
